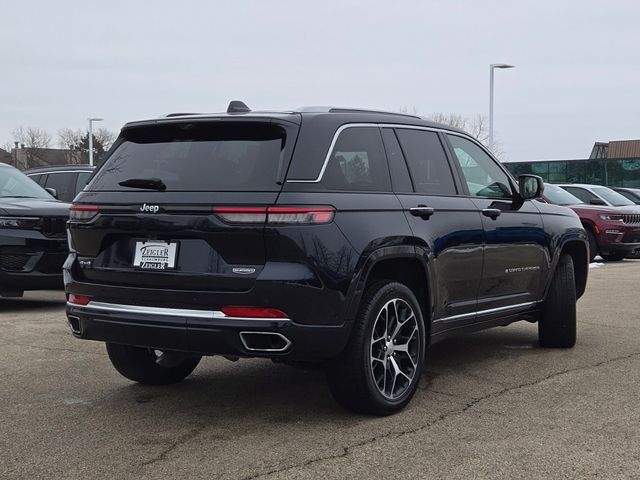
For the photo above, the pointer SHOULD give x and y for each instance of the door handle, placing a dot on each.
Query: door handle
(491, 212)
(422, 211)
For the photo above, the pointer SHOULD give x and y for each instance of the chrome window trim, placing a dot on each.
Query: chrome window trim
(59, 171)
(488, 311)
(164, 311)
(342, 128)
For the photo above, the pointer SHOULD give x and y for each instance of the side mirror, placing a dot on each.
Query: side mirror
(52, 191)
(597, 201)
(530, 186)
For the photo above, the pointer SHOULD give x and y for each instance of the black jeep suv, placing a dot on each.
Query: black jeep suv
(33, 239)
(350, 238)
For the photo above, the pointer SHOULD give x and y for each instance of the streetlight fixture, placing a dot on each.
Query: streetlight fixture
(492, 67)
(91, 120)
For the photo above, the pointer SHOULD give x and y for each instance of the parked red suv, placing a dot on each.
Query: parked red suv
(614, 233)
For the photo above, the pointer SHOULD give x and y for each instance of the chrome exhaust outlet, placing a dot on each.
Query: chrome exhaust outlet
(74, 324)
(270, 342)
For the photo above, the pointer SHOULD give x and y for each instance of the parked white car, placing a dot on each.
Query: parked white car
(597, 195)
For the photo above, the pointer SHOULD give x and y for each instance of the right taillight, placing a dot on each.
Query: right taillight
(300, 215)
(279, 215)
(82, 213)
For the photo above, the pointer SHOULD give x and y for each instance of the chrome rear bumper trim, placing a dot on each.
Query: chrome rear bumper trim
(163, 311)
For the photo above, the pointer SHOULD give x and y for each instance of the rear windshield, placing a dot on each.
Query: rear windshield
(198, 157)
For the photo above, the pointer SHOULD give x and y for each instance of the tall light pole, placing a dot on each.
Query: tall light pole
(492, 67)
(91, 120)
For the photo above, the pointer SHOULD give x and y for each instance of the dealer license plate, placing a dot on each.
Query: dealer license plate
(155, 255)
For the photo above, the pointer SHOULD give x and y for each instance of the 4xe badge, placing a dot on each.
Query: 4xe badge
(149, 208)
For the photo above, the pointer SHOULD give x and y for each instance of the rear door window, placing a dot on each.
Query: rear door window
(357, 162)
(427, 161)
(400, 179)
(585, 195)
(238, 156)
(64, 185)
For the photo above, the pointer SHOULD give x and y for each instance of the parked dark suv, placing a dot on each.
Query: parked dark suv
(66, 180)
(351, 238)
(33, 240)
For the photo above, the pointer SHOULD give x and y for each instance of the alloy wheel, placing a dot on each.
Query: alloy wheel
(395, 348)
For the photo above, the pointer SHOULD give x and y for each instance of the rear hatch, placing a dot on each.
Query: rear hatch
(181, 205)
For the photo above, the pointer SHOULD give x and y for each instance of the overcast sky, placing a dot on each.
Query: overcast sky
(577, 78)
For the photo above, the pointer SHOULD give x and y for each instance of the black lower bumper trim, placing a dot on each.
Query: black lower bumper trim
(207, 336)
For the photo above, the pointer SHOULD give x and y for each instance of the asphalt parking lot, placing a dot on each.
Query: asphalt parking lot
(490, 405)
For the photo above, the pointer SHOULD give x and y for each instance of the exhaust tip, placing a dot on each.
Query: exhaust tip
(74, 324)
(271, 342)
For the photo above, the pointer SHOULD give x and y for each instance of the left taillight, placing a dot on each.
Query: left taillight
(277, 215)
(82, 213)
(251, 215)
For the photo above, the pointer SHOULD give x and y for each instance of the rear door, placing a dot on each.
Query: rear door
(448, 223)
(183, 205)
(516, 260)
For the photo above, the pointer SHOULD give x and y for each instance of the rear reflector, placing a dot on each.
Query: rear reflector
(280, 215)
(78, 299)
(82, 213)
(253, 312)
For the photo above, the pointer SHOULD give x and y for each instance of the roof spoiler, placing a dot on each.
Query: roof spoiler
(236, 106)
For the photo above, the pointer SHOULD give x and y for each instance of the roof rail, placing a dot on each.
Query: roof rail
(181, 114)
(364, 110)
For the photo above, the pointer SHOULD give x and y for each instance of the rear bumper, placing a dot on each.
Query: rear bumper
(201, 331)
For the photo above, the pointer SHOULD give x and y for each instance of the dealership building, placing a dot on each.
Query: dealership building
(615, 164)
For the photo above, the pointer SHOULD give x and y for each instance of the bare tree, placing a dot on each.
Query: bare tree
(78, 141)
(31, 137)
(74, 139)
(68, 138)
(105, 137)
(477, 127)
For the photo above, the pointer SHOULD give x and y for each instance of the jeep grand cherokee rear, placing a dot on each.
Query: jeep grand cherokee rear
(351, 238)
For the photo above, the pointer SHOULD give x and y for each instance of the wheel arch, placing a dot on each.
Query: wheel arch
(402, 263)
(579, 253)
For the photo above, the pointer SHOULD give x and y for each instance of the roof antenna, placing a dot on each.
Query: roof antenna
(236, 106)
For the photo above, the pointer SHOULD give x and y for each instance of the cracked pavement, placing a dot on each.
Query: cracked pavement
(490, 405)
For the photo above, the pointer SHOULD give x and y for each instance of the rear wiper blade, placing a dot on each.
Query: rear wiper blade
(149, 183)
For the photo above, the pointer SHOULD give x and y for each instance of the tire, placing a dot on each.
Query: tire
(593, 245)
(614, 257)
(144, 365)
(364, 385)
(557, 325)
